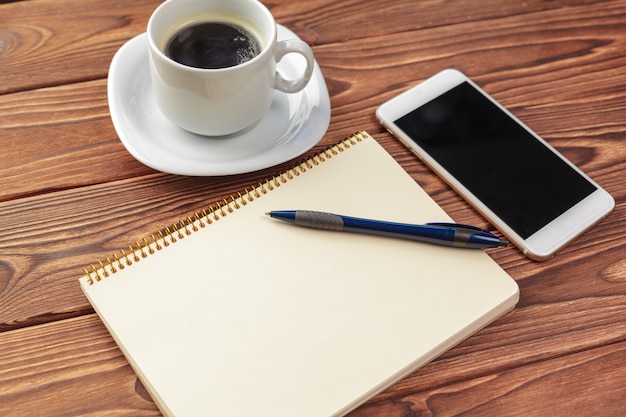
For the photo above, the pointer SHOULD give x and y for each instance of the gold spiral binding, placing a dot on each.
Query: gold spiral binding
(178, 230)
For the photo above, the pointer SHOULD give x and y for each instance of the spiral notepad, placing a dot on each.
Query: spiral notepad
(230, 313)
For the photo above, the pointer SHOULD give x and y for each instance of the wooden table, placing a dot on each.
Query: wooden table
(70, 193)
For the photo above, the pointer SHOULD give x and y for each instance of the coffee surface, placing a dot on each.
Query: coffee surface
(212, 45)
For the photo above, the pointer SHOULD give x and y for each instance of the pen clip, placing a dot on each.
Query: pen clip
(459, 226)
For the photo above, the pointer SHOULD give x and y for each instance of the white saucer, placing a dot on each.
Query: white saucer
(292, 126)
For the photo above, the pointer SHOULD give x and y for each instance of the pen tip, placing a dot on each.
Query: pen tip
(504, 242)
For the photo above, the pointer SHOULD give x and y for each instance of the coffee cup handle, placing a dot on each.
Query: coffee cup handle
(293, 46)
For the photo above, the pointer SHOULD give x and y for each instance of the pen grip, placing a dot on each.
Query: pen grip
(319, 220)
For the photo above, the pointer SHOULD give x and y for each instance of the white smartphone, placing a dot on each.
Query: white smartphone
(538, 199)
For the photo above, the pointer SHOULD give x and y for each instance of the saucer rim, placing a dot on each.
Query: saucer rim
(311, 130)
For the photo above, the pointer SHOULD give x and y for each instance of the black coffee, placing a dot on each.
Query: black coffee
(212, 45)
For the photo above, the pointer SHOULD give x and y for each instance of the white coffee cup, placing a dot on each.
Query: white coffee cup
(223, 101)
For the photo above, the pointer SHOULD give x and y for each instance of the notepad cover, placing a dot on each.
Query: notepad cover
(248, 316)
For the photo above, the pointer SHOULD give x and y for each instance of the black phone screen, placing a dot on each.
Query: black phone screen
(500, 162)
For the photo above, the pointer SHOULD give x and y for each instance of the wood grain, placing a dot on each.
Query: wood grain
(42, 366)
(590, 381)
(49, 43)
(70, 194)
(42, 33)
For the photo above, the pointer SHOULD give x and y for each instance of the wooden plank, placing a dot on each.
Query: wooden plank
(70, 367)
(41, 38)
(48, 43)
(59, 138)
(588, 383)
(329, 22)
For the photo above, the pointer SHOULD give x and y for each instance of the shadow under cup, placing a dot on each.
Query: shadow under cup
(220, 101)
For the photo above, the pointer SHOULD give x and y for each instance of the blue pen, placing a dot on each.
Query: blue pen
(447, 234)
